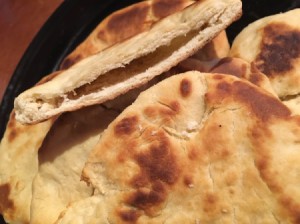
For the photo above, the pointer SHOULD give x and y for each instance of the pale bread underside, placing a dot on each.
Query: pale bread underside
(61, 159)
(18, 166)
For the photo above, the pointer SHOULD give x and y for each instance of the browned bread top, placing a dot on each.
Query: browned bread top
(123, 24)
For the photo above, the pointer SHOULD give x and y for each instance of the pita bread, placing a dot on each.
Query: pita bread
(272, 44)
(103, 76)
(159, 163)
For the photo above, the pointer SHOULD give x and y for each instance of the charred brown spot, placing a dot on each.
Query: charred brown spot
(159, 163)
(255, 78)
(130, 216)
(210, 202)
(188, 181)
(150, 112)
(231, 67)
(224, 87)
(5, 202)
(12, 120)
(126, 126)
(158, 169)
(12, 135)
(193, 154)
(218, 76)
(144, 198)
(69, 61)
(279, 47)
(292, 207)
(185, 87)
(125, 23)
(163, 8)
(262, 105)
(139, 181)
(12, 129)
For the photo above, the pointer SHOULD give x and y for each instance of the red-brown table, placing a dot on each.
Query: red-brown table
(20, 20)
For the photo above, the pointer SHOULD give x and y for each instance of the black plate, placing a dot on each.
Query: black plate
(74, 20)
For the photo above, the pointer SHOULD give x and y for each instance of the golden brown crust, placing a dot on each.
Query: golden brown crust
(6, 203)
(272, 45)
(124, 24)
(279, 47)
(160, 156)
(242, 69)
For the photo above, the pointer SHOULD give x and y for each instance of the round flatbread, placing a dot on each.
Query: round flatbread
(272, 44)
(196, 148)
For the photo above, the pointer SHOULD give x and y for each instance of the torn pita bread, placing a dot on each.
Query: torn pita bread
(158, 161)
(129, 64)
(272, 44)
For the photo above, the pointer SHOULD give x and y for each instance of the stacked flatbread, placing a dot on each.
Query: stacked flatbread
(45, 175)
(217, 147)
(159, 162)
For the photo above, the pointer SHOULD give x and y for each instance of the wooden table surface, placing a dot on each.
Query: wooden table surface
(20, 20)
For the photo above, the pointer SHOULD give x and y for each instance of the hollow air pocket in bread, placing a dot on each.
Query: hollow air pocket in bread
(129, 64)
